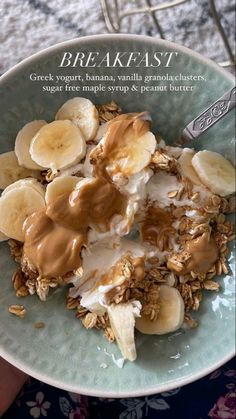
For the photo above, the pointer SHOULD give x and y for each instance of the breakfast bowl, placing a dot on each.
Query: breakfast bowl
(173, 84)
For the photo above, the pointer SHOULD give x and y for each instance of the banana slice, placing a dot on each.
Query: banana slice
(59, 186)
(170, 317)
(58, 145)
(72, 170)
(31, 182)
(122, 319)
(141, 157)
(15, 207)
(127, 146)
(186, 167)
(22, 144)
(3, 238)
(10, 170)
(215, 172)
(83, 114)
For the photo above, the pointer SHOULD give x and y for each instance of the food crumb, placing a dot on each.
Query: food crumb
(39, 325)
(103, 365)
(118, 362)
(18, 310)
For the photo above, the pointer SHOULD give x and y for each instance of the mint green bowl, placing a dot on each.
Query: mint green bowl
(63, 353)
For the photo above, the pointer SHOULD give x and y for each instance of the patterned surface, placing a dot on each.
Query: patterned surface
(38, 399)
(28, 26)
(62, 353)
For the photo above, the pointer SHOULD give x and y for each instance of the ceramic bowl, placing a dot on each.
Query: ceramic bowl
(63, 353)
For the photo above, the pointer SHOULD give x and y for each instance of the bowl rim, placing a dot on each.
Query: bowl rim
(46, 52)
(179, 382)
(97, 38)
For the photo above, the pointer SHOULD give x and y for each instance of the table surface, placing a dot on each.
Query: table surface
(28, 26)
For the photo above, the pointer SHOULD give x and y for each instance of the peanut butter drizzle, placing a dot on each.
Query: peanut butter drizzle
(204, 253)
(52, 248)
(117, 144)
(54, 237)
(157, 222)
(93, 205)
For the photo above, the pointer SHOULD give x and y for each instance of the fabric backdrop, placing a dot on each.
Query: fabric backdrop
(27, 26)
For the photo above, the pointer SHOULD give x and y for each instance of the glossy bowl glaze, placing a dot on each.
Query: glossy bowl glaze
(63, 353)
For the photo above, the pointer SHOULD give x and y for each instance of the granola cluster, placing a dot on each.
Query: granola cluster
(108, 111)
(141, 279)
(191, 286)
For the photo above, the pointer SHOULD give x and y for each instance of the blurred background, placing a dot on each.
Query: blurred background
(27, 26)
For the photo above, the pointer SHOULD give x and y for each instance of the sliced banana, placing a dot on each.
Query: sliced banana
(82, 113)
(170, 317)
(3, 237)
(215, 172)
(31, 182)
(186, 166)
(15, 207)
(72, 170)
(10, 170)
(122, 319)
(58, 145)
(22, 144)
(141, 154)
(127, 146)
(59, 186)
